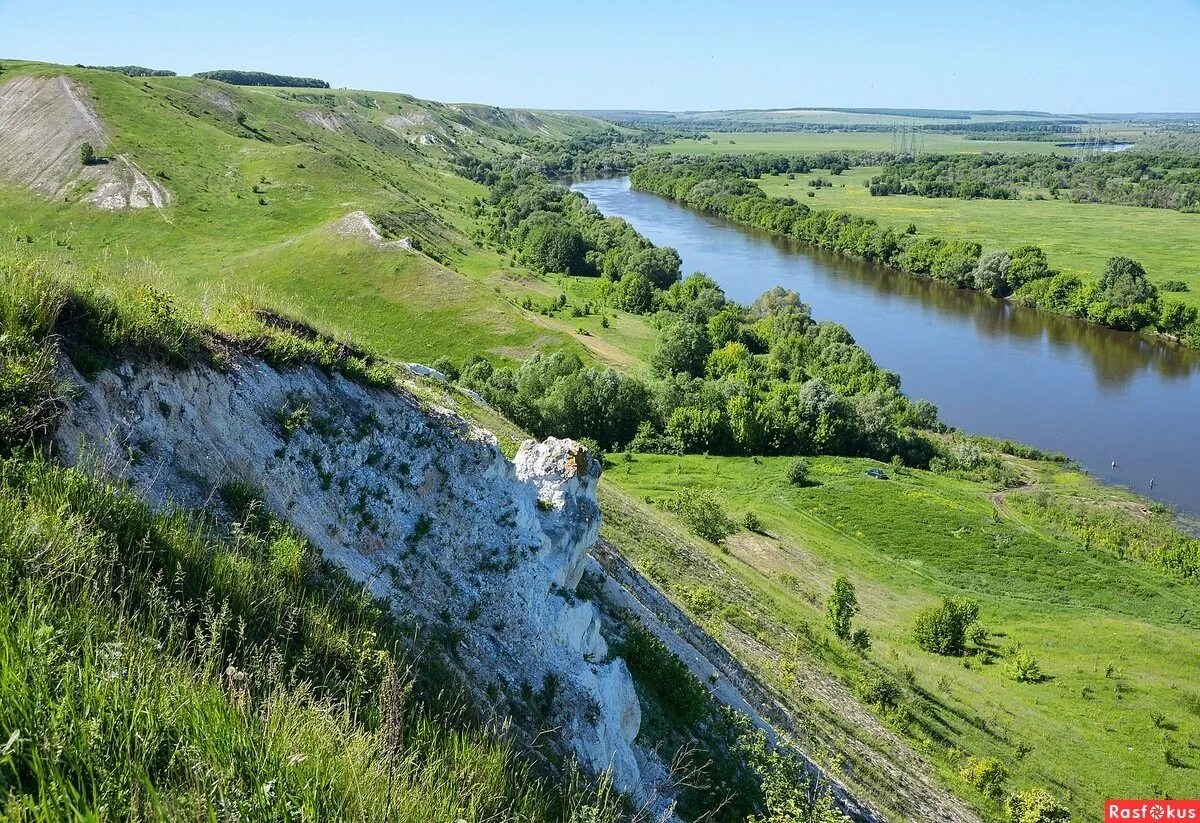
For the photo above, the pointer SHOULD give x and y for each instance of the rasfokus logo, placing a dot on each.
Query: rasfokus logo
(1152, 810)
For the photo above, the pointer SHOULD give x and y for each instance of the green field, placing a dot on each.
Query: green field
(1089, 731)
(1077, 237)
(799, 142)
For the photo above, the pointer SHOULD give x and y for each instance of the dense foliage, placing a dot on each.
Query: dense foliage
(728, 379)
(261, 78)
(136, 71)
(1124, 298)
(1163, 180)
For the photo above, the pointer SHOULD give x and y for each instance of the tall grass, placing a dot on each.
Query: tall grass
(153, 667)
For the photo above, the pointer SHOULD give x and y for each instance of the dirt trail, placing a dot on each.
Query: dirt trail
(44, 121)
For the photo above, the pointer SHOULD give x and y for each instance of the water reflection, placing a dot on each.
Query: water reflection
(990, 366)
(1115, 356)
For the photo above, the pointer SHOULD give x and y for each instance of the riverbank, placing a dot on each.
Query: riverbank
(1123, 298)
(1092, 393)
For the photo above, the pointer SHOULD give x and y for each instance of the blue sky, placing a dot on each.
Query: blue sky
(1049, 55)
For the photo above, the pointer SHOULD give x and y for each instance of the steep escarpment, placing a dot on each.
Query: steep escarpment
(480, 554)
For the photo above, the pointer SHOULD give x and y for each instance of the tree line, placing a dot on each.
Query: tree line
(1123, 298)
(1162, 179)
(261, 78)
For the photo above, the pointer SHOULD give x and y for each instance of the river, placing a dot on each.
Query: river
(991, 367)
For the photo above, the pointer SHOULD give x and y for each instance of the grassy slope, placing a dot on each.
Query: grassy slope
(920, 536)
(1078, 237)
(218, 244)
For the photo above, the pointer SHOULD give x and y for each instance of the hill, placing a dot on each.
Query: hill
(336, 595)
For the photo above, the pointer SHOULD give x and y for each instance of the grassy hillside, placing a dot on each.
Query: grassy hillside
(1118, 713)
(1077, 237)
(258, 176)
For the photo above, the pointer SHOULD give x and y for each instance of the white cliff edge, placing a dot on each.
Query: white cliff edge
(409, 499)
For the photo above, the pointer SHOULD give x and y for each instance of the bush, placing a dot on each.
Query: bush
(752, 524)
(87, 154)
(942, 628)
(798, 471)
(446, 366)
(878, 690)
(985, 774)
(860, 640)
(841, 606)
(701, 512)
(1023, 667)
(1036, 806)
(1173, 286)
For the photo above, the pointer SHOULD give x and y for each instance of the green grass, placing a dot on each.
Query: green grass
(155, 667)
(217, 245)
(1091, 732)
(810, 142)
(1077, 237)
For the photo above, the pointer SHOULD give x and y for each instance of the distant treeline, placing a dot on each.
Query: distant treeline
(133, 71)
(261, 78)
(1161, 180)
(1009, 127)
(1123, 298)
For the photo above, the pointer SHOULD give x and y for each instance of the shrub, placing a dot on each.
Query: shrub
(751, 523)
(942, 628)
(1036, 806)
(985, 774)
(1023, 667)
(798, 471)
(878, 690)
(87, 154)
(860, 640)
(701, 512)
(841, 606)
(446, 366)
(1173, 286)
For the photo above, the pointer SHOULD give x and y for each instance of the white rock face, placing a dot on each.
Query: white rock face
(483, 554)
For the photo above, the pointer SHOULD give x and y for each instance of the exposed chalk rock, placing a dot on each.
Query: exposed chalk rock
(411, 500)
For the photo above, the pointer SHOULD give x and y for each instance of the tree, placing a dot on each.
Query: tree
(798, 471)
(1125, 298)
(841, 606)
(860, 640)
(681, 347)
(1036, 806)
(942, 628)
(87, 154)
(555, 246)
(991, 275)
(1028, 264)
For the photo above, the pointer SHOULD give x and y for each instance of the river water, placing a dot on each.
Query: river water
(1094, 394)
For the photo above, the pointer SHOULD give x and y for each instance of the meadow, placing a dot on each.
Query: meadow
(802, 142)
(1077, 237)
(1118, 713)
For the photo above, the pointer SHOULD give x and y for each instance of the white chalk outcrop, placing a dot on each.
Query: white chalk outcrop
(44, 122)
(481, 553)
